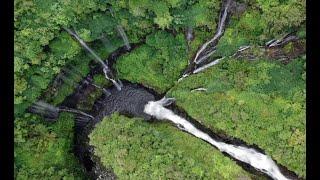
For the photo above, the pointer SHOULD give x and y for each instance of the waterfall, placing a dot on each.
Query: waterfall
(250, 156)
(106, 69)
(106, 92)
(121, 32)
(50, 111)
(124, 37)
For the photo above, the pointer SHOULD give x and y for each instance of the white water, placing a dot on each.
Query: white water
(87, 47)
(248, 155)
(75, 111)
(117, 84)
(121, 32)
(199, 89)
(124, 37)
(183, 76)
(105, 67)
(41, 107)
(218, 34)
(204, 67)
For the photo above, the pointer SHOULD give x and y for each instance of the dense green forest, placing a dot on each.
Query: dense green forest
(260, 100)
(140, 150)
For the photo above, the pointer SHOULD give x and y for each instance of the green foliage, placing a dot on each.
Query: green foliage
(42, 49)
(136, 27)
(43, 151)
(262, 21)
(282, 15)
(63, 46)
(166, 14)
(202, 14)
(136, 149)
(101, 80)
(69, 80)
(302, 32)
(249, 29)
(87, 102)
(260, 102)
(95, 25)
(31, 78)
(163, 17)
(156, 64)
(36, 24)
(80, 68)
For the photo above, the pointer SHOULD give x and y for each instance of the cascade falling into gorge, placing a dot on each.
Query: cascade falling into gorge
(250, 156)
(107, 71)
(50, 111)
(124, 36)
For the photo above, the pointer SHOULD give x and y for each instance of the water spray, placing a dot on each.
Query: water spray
(50, 111)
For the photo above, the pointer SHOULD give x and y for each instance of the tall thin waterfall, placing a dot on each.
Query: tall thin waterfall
(256, 159)
(124, 36)
(121, 32)
(48, 110)
(106, 69)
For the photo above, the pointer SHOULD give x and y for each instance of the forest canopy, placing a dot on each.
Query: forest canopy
(261, 101)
